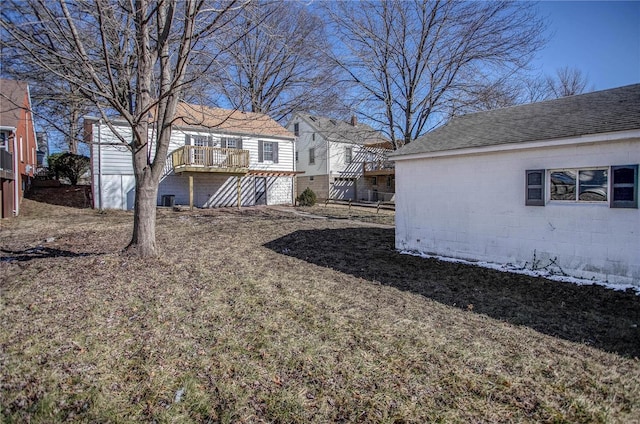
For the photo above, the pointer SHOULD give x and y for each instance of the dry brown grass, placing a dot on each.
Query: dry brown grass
(242, 319)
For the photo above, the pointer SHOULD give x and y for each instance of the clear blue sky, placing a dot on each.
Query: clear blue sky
(601, 38)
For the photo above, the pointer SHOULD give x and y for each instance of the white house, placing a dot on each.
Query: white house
(217, 157)
(551, 184)
(342, 160)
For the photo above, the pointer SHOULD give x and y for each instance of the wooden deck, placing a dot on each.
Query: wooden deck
(210, 159)
(381, 167)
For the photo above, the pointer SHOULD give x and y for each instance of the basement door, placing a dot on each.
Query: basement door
(261, 190)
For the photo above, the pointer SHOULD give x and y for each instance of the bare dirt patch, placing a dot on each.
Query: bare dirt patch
(267, 316)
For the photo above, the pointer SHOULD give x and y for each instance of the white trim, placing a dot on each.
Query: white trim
(525, 145)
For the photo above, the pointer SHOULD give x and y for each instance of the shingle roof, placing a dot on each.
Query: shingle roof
(617, 109)
(344, 132)
(232, 121)
(12, 94)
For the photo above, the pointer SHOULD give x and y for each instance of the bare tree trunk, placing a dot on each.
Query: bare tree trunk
(143, 240)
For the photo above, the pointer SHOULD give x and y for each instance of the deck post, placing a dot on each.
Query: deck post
(239, 192)
(191, 192)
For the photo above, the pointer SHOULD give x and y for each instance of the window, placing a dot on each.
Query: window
(296, 129)
(374, 181)
(311, 178)
(231, 143)
(389, 182)
(198, 153)
(617, 185)
(4, 140)
(267, 151)
(312, 156)
(624, 186)
(535, 187)
(348, 155)
(579, 185)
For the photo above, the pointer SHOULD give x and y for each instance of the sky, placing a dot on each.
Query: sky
(601, 38)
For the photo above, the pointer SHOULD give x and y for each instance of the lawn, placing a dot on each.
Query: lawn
(262, 315)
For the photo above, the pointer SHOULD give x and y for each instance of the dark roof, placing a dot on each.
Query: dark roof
(617, 109)
(343, 131)
(12, 101)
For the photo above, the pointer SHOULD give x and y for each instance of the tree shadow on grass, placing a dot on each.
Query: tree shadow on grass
(38, 252)
(593, 315)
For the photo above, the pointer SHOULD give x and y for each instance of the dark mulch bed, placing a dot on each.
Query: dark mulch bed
(593, 315)
(65, 195)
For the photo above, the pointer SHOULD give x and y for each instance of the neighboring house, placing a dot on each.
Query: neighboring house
(550, 184)
(342, 160)
(216, 158)
(18, 148)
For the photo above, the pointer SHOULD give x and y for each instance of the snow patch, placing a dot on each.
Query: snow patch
(523, 271)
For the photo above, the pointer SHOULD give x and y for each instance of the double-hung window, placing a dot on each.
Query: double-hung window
(231, 143)
(348, 155)
(312, 156)
(267, 151)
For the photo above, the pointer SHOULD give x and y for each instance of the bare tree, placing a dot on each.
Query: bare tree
(411, 59)
(279, 63)
(126, 57)
(567, 82)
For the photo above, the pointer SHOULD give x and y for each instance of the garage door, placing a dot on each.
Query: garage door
(343, 188)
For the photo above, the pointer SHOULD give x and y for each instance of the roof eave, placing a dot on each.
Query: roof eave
(536, 144)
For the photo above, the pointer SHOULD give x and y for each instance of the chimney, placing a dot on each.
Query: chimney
(354, 121)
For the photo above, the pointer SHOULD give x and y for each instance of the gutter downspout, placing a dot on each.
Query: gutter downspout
(294, 178)
(99, 166)
(16, 175)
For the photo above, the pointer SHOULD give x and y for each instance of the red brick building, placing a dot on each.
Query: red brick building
(18, 145)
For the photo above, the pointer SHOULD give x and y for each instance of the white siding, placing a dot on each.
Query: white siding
(217, 190)
(473, 207)
(279, 190)
(306, 142)
(115, 178)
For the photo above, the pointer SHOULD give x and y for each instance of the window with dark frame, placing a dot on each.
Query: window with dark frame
(348, 155)
(296, 129)
(624, 186)
(535, 187)
(312, 156)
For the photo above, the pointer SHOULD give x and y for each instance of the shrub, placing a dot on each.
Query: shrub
(307, 198)
(68, 165)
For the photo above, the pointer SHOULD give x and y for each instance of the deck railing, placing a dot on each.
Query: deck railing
(215, 159)
(6, 164)
(379, 167)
